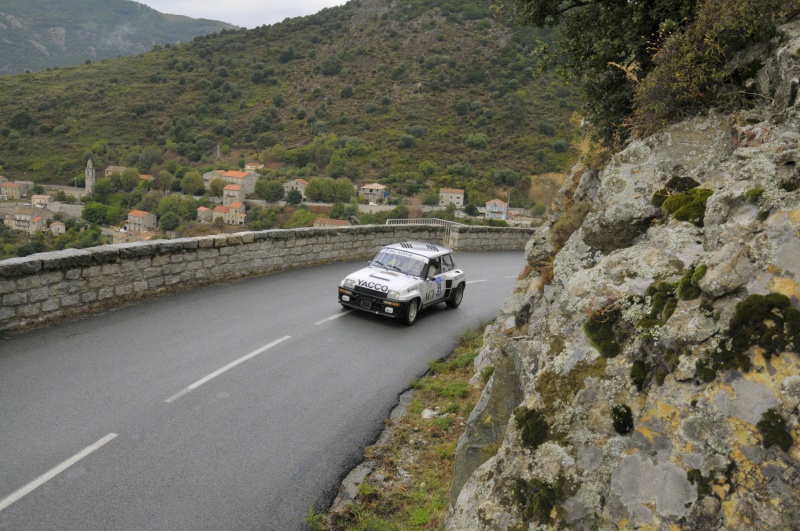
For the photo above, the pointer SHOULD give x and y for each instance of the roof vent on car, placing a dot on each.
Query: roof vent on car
(433, 248)
(407, 245)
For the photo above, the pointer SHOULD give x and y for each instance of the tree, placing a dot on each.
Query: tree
(605, 45)
(102, 190)
(129, 179)
(216, 186)
(294, 197)
(192, 183)
(169, 221)
(96, 213)
(269, 190)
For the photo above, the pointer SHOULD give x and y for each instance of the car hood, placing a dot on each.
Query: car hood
(379, 279)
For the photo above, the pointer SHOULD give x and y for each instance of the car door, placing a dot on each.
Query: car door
(434, 288)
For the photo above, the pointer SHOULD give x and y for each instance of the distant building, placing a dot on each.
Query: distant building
(114, 169)
(57, 228)
(13, 190)
(204, 215)
(374, 193)
(41, 201)
(246, 179)
(232, 193)
(25, 219)
(253, 166)
(496, 209)
(296, 184)
(89, 177)
(141, 221)
(329, 222)
(451, 195)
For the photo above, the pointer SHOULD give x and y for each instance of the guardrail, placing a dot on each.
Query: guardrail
(429, 221)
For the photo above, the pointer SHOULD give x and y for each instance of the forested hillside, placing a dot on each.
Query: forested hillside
(414, 94)
(40, 34)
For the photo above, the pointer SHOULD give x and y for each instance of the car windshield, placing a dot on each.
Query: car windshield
(400, 261)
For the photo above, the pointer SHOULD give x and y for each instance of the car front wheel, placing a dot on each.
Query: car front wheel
(411, 312)
(456, 297)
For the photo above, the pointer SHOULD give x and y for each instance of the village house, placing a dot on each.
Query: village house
(25, 219)
(232, 193)
(233, 214)
(453, 196)
(41, 201)
(296, 184)
(114, 169)
(204, 215)
(496, 209)
(10, 190)
(374, 193)
(246, 179)
(329, 222)
(253, 166)
(58, 228)
(141, 221)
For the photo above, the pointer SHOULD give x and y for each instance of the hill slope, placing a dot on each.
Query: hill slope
(39, 34)
(412, 94)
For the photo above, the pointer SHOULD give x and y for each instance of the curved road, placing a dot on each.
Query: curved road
(236, 406)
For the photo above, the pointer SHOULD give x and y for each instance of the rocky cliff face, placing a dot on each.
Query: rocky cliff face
(646, 368)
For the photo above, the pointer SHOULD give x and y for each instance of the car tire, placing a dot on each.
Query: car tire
(455, 299)
(411, 312)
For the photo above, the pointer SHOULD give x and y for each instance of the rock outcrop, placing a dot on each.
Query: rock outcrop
(647, 372)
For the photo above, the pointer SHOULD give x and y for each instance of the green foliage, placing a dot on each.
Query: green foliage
(532, 425)
(270, 190)
(300, 218)
(622, 418)
(693, 68)
(96, 213)
(774, 430)
(294, 197)
(192, 183)
(688, 206)
(599, 328)
(170, 108)
(704, 372)
(568, 223)
(169, 221)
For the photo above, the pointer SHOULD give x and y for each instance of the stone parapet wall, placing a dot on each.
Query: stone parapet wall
(44, 287)
(478, 238)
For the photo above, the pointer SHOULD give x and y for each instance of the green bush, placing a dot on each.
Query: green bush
(754, 195)
(639, 372)
(673, 186)
(693, 69)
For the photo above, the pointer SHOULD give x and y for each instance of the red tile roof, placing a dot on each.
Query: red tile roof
(138, 213)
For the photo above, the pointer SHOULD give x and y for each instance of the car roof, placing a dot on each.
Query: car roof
(428, 250)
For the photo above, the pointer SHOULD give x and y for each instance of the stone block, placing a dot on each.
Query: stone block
(123, 290)
(52, 304)
(17, 267)
(15, 299)
(89, 296)
(39, 294)
(29, 310)
(105, 293)
(70, 300)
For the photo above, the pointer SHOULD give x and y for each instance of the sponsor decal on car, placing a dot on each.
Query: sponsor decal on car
(373, 285)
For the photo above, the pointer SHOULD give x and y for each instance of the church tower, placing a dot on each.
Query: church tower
(89, 181)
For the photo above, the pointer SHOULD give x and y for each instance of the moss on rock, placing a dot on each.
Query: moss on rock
(688, 206)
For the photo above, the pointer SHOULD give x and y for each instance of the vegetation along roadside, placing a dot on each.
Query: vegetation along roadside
(410, 467)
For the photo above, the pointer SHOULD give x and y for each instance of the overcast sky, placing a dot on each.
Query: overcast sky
(244, 13)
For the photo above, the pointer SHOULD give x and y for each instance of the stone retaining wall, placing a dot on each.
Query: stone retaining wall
(47, 286)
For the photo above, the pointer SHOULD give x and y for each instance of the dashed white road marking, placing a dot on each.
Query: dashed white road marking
(474, 281)
(331, 318)
(53, 472)
(226, 368)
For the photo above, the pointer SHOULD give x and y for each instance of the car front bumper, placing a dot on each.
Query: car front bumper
(369, 303)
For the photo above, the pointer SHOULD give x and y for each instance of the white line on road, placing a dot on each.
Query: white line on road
(47, 476)
(227, 367)
(342, 314)
(474, 281)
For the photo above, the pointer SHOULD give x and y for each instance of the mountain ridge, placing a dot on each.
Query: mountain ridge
(41, 34)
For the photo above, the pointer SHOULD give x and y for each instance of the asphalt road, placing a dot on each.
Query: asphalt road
(236, 406)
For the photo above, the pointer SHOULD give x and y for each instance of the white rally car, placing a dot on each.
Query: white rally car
(402, 279)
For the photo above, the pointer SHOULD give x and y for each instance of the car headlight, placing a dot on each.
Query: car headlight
(393, 295)
(349, 283)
